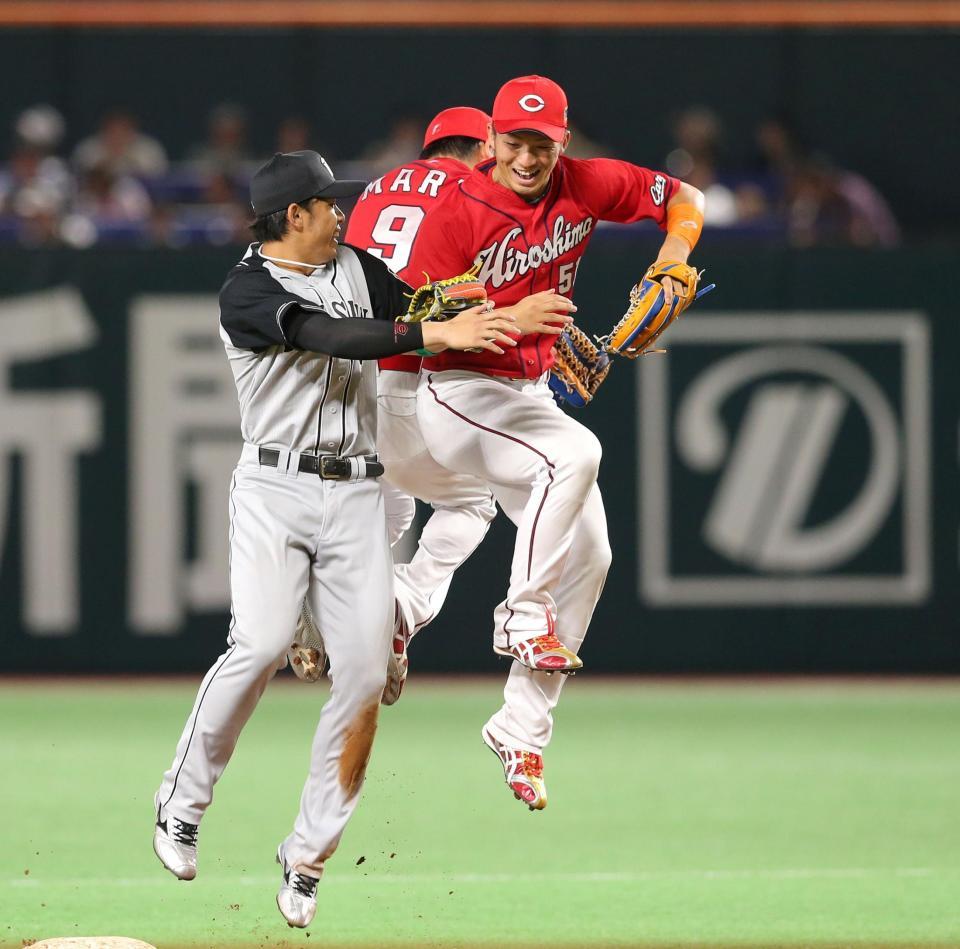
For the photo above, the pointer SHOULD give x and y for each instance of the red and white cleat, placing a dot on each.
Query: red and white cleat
(398, 664)
(523, 771)
(544, 654)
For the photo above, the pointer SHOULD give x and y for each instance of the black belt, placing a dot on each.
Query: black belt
(329, 467)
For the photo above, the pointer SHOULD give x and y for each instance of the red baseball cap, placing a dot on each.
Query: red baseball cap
(532, 103)
(461, 120)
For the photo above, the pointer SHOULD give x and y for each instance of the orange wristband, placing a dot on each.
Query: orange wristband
(684, 220)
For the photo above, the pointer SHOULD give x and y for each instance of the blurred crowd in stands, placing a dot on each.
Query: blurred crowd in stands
(787, 186)
(118, 184)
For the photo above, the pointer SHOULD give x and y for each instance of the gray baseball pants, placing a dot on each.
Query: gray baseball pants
(293, 534)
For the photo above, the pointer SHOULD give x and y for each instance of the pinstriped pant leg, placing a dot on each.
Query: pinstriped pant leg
(269, 566)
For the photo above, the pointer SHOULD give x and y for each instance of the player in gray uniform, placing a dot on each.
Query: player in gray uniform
(298, 315)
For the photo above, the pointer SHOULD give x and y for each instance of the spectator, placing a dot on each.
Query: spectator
(294, 135)
(41, 127)
(107, 205)
(831, 206)
(38, 216)
(778, 152)
(106, 196)
(120, 149)
(402, 144)
(226, 150)
(35, 178)
(697, 132)
(228, 210)
(778, 146)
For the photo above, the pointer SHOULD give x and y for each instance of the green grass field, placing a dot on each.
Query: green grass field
(683, 814)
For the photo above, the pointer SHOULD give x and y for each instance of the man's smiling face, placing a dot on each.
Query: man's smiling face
(525, 161)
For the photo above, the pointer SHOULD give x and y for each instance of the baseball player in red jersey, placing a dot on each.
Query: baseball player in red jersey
(526, 218)
(385, 222)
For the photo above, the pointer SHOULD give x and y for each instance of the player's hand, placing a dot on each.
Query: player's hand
(478, 328)
(544, 312)
(671, 287)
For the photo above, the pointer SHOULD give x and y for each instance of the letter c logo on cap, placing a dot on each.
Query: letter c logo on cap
(531, 103)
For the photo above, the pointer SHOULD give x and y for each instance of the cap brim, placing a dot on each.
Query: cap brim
(342, 189)
(554, 132)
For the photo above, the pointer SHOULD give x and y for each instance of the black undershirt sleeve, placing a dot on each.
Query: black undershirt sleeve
(351, 338)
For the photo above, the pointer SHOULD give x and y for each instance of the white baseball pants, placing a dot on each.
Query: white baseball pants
(526, 719)
(292, 535)
(462, 504)
(542, 466)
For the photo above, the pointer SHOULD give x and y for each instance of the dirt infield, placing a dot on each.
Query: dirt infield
(91, 942)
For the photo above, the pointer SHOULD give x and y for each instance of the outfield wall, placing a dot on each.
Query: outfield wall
(781, 488)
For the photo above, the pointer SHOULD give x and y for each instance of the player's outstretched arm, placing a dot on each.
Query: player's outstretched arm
(684, 225)
(477, 328)
(545, 312)
(349, 338)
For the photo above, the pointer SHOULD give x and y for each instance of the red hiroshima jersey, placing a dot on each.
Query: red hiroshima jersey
(387, 218)
(524, 248)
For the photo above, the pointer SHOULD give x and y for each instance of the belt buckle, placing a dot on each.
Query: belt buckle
(333, 468)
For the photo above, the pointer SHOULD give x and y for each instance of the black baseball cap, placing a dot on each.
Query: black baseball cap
(291, 177)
